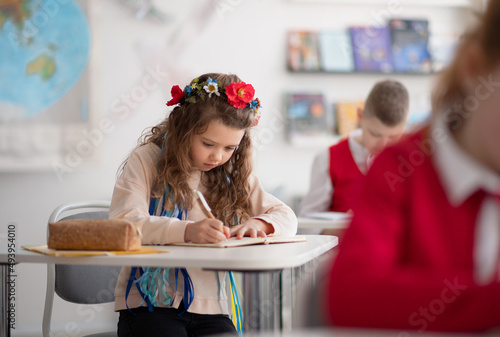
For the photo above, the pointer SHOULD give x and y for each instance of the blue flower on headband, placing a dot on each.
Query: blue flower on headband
(188, 91)
(255, 104)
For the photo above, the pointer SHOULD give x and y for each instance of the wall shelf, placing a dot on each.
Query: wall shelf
(360, 73)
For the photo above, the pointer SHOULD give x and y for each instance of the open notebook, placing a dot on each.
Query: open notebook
(246, 241)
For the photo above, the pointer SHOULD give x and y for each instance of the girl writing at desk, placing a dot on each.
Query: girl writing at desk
(204, 144)
(422, 251)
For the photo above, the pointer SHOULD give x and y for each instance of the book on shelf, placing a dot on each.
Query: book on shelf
(410, 45)
(306, 117)
(335, 51)
(246, 241)
(346, 116)
(371, 49)
(303, 51)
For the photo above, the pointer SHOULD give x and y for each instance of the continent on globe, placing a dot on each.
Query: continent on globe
(16, 10)
(43, 65)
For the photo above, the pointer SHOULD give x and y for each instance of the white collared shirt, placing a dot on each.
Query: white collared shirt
(461, 176)
(319, 197)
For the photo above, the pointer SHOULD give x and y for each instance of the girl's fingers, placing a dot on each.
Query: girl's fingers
(227, 233)
(245, 231)
(234, 230)
(241, 230)
(240, 233)
(215, 235)
(253, 233)
(261, 234)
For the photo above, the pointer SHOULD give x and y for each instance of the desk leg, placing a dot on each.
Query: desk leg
(4, 300)
(262, 301)
(288, 293)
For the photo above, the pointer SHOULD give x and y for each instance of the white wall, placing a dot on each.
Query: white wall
(242, 37)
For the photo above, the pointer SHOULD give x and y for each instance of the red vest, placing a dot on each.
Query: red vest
(407, 258)
(345, 175)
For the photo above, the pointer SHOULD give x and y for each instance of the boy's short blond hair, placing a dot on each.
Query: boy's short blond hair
(389, 102)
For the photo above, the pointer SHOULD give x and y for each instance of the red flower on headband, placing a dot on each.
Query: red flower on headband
(177, 95)
(239, 94)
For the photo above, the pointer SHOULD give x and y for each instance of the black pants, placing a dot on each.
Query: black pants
(165, 322)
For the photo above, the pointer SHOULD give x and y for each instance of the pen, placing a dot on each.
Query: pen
(204, 204)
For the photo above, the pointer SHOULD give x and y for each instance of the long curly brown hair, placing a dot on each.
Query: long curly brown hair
(228, 185)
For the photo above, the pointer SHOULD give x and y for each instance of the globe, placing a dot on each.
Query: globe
(44, 50)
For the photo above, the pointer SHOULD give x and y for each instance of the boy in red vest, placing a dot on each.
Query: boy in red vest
(423, 249)
(338, 171)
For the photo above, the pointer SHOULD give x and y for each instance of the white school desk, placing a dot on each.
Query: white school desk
(256, 258)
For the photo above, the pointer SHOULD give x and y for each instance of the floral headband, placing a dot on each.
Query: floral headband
(239, 95)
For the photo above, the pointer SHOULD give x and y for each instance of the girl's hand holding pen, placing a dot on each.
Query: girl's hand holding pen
(206, 231)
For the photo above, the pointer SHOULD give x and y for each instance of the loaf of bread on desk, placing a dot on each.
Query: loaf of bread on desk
(94, 234)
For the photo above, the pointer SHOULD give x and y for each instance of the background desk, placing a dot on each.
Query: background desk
(260, 259)
(309, 223)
